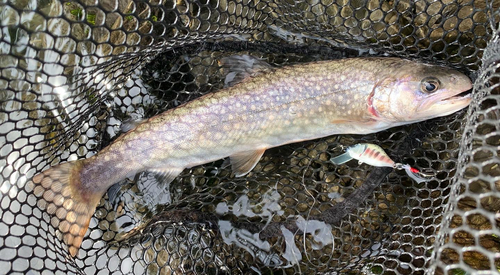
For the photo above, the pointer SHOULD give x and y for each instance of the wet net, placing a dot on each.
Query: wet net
(73, 74)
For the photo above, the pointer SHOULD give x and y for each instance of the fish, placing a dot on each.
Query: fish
(264, 108)
(374, 155)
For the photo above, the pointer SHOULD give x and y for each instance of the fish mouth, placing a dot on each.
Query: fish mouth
(462, 97)
(451, 104)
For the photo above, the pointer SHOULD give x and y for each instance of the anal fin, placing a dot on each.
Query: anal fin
(169, 174)
(244, 162)
(130, 124)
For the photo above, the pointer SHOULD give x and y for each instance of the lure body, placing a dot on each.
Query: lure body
(374, 155)
(370, 154)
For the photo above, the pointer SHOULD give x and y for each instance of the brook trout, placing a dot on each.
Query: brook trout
(280, 106)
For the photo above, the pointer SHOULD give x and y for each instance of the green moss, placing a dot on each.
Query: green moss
(91, 18)
(458, 271)
(377, 269)
(91, 96)
(13, 31)
(78, 13)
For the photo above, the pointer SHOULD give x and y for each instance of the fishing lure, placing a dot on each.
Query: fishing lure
(374, 155)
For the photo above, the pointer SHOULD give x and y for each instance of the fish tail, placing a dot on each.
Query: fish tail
(62, 194)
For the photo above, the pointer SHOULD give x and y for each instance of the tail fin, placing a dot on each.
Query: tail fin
(61, 193)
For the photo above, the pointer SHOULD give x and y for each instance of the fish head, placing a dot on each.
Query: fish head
(414, 92)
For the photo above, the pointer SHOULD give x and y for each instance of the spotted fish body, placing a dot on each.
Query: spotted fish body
(280, 106)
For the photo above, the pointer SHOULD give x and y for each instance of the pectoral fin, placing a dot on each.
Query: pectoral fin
(244, 162)
(169, 174)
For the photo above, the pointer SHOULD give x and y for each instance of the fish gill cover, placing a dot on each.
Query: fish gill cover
(73, 74)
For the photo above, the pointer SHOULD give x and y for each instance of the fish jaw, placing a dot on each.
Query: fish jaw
(443, 104)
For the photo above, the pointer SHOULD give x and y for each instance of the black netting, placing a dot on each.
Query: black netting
(74, 74)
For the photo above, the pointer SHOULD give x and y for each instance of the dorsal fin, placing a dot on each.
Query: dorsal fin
(237, 68)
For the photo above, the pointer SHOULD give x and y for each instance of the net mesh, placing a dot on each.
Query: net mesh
(74, 73)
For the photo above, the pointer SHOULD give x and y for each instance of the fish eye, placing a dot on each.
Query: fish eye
(429, 85)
